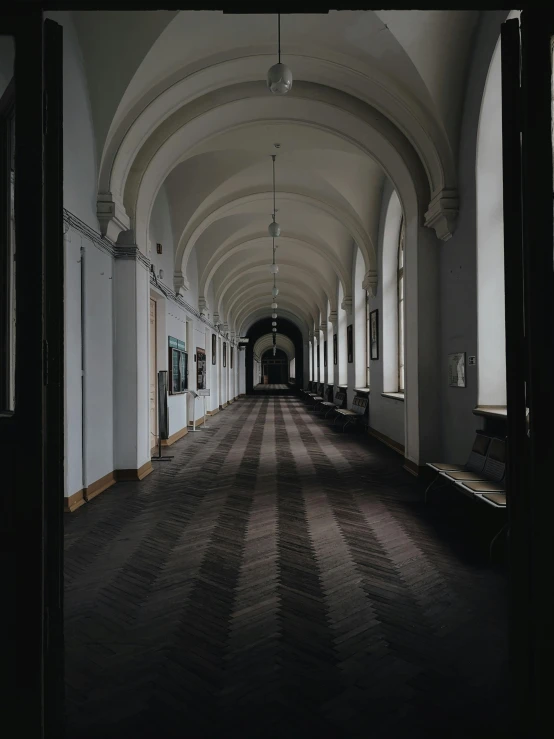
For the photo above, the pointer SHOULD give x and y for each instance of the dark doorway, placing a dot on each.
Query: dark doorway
(287, 328)
(275, 367)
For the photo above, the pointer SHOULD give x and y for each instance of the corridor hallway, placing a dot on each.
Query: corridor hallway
(281, 579)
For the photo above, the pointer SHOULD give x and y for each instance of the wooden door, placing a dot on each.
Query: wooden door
(153, 376)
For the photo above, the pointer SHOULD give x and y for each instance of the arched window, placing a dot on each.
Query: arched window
(400, 300)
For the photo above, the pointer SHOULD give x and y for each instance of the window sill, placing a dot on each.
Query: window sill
(394, 396)
(361, 390)
(495, 411)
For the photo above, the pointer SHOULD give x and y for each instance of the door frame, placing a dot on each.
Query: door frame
(153, 433)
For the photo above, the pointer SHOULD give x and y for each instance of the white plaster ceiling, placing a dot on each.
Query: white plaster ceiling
(195, 120)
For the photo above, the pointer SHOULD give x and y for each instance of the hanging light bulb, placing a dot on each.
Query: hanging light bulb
(274, 305)
(274, 330)
(275, 292)
(274, 315)
(274, 268)
(274, 228)
(273, 323)
(279, 77)
(274, 350)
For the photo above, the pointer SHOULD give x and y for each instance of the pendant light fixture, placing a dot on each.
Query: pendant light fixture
(279, 77)
(274, 228)
(274, 315)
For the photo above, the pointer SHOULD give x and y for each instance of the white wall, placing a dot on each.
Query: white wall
(386, 415)
(72, 365)
(491, 367)
(99, 352)
(79, 147)
(359, 320)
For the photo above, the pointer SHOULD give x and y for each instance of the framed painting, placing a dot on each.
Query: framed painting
(231, 357)
(214, 348)
(325, 353)
(318, 356)
(225, 354)
(374, 334)
(349, 344)
(335, 353)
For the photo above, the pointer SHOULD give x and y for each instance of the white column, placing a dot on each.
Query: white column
(350, 373)
(423, 362)
(131, 362)
(332, 328)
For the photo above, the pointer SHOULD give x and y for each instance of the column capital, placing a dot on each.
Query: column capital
(323, 326)
(203, 306)
(111, 214)
(346, 305)
(370, 282)
(180, 283)
(442, 213)
(333, 317)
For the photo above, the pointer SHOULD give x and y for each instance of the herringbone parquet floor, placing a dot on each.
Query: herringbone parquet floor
(281, 579)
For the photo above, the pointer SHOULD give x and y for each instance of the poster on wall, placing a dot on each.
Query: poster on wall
(335, 354)
(318, 356)
(225, 354)
(374, 334)
(325, 353)
(214, 348)
(200, 368)
(349, 344)
(231, 357)
(457, 369)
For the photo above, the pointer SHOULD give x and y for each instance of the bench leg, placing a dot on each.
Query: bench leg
(495, 537)
(428, 488)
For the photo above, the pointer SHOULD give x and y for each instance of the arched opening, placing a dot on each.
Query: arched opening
(275, 367)
(392, 344)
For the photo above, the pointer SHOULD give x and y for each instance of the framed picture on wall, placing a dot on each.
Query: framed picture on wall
(225, 354)
(349, 344)
(214, 348)
(374, 334)
(325, 353)
(231, 357)
(200, 368)
(457, 369)
(318, 356)
(335, 354)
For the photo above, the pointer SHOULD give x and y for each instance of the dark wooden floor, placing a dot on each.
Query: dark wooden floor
(281, 579)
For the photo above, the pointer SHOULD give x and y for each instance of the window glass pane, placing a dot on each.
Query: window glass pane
(7, 225)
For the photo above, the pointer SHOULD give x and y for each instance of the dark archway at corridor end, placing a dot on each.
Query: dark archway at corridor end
(287, 328)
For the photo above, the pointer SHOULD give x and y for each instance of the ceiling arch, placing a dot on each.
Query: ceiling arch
(257, 306)
(237, 280)
(315, 248)
(261, 313)
(297, 293)
(265, 342)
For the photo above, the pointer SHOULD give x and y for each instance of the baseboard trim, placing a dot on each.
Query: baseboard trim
(129, 475)
(175, 437)
(197, 422)
(97, 487)
(413, 468)
(74, 501)
(224, 405)
(212, 413)
(395, 445)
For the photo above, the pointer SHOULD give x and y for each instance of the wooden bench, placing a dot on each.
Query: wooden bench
(315, 395)
(481, 478)
(354, 416)
(338, 402)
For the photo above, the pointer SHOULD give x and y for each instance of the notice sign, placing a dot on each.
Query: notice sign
(204, 393)
(457, 369)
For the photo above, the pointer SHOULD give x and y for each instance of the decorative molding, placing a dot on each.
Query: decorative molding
(203, 306)
(346, 305)
(131, 251)
(111, 215)
(370, 282)
(180, 283)
(442, 213)
(333, 317)
(323, 326)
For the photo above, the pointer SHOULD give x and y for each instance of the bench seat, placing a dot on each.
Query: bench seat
(346, 412)
(483, 486)
(498, 500)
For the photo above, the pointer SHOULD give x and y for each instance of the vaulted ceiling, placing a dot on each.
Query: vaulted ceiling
(181, 108)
